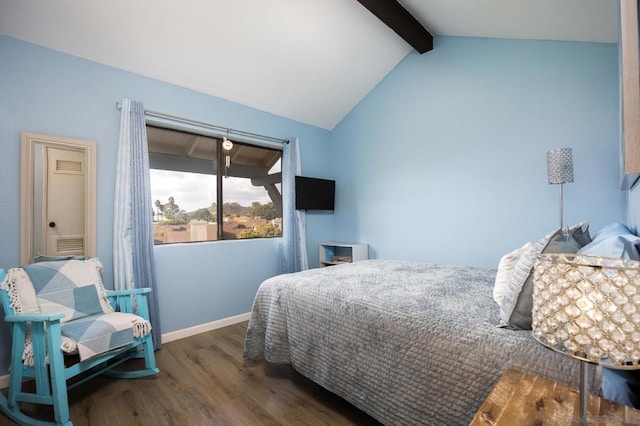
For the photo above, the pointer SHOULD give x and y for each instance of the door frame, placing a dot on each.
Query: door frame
(29, 143)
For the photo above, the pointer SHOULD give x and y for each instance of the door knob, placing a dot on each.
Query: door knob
(52, 224)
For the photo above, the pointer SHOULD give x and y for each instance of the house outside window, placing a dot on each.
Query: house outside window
(204, 192)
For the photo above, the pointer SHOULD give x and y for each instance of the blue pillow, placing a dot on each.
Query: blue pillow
(612, 229)
(614, 240)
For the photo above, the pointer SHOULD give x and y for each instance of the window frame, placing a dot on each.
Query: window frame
(198, 130)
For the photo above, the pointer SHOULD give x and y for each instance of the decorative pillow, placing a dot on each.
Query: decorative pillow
(72, 287)
(505, 269)
(513, 314)
(580, 233)
(517, 302)
(612, 229)
(614, 240)
(561, 243)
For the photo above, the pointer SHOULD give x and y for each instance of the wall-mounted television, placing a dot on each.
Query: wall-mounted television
(314, 193)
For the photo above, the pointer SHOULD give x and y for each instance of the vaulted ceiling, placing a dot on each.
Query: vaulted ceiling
(308, 60)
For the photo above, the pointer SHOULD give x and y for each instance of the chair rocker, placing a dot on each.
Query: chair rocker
(48, 370)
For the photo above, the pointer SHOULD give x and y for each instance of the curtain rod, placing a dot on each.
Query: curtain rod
(209, 125)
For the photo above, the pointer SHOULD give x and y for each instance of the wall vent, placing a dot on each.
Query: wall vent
(68, 166)
(69, 245)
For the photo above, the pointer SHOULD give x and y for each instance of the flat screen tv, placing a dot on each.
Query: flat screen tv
(314, 193)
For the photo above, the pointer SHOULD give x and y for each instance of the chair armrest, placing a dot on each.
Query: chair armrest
(123, 301)
(46, 341)
(34, 317)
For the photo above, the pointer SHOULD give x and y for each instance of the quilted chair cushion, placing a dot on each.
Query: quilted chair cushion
(100, 333)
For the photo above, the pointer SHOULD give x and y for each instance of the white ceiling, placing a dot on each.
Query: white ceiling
(308, 60)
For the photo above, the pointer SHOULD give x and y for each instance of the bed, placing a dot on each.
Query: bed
(409, 343)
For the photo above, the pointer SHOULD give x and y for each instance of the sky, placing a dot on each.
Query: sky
(192, 191)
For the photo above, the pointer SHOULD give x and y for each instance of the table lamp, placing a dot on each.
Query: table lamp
(588, 307)
(560, 171)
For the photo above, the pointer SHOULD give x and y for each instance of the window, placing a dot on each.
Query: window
(203, 192)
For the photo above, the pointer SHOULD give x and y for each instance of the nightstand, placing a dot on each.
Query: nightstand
(522, 399)
(332, 253)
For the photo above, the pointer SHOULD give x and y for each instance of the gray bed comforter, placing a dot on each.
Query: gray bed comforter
(408, 343)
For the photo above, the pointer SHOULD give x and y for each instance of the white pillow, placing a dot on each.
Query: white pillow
(505, 268)
(517, 301)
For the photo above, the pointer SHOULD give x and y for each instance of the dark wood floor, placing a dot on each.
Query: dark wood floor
(203, 380)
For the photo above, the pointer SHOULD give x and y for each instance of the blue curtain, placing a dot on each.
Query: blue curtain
(293, 253)
(133, 259)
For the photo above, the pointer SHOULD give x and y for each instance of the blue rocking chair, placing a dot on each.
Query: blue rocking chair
(45, 326)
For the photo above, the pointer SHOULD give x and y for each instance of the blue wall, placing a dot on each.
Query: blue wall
(445, 160)
(49, 92)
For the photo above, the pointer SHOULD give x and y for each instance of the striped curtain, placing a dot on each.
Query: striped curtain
(133, 257)
(293, 253)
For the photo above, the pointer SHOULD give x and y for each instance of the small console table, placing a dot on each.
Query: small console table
(332, 253)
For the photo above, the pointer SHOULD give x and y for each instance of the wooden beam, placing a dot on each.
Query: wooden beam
(402, 22)
(191, 146)
(265, 180)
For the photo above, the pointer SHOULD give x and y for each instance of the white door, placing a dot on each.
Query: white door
(64, 201)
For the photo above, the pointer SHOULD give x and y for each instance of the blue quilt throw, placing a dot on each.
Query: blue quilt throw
(100, 333)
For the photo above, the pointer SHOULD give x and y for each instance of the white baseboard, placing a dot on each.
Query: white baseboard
(178, 334)
(203, 328)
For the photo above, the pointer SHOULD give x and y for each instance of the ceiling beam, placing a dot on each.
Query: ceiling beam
(265, 180)
(191, 146)
(402, 22)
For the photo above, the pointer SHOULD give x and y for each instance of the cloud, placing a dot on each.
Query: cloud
(192, 191)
